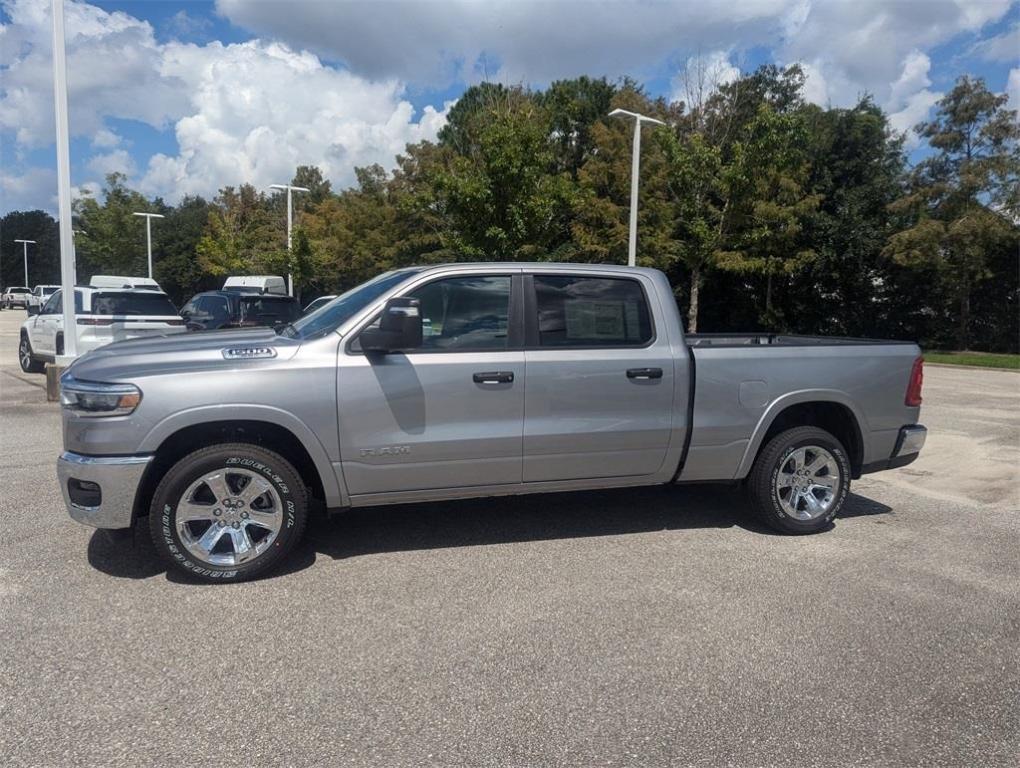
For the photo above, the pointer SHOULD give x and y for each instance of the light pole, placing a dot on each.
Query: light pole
(290, 217)
(148, 234)
(70, 351)
(635, 166)
(24, 251)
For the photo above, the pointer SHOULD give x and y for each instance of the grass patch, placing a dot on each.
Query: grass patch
(979, 359)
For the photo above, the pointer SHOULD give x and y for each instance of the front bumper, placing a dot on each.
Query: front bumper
(100, 490)
(908, 447)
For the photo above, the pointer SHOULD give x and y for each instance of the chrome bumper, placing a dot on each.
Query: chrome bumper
(100, 490)
(910, 441)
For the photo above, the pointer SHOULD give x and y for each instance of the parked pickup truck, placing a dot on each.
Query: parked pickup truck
(469, 380)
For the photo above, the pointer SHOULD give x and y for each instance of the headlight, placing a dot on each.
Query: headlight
(91, 398)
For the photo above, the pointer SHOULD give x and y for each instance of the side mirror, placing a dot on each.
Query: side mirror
(186, 314)
(32, 309)
(399, 328)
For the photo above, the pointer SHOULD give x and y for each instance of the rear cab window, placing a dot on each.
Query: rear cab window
(595, 311)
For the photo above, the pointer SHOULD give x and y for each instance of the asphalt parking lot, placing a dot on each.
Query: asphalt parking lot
(624, 628)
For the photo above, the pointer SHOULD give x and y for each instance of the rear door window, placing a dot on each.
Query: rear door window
(128, 304)
(578, 311)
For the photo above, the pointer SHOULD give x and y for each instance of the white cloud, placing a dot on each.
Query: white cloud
(33, 188)
(531, 40)
(852, 47)
(105, 139)
(247, 112)
(117, 161)
(257, 110)
(859, 47)
(113, 70)
(1004, 47)
(910, 99)
(702, 75)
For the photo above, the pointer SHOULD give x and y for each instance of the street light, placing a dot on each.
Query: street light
(24, 249)
(290, 216)
(635, 165)
(148, 233)
(63, 184)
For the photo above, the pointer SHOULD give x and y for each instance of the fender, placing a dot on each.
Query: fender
(336, 493)
(780, 404)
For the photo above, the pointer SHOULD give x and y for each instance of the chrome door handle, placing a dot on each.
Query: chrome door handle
(493, 377)
(644, 373)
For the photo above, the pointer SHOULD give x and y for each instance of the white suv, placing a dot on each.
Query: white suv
(103, 315)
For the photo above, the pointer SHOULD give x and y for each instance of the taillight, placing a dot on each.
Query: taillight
(175, 322)
(913, 397)
(94, 321)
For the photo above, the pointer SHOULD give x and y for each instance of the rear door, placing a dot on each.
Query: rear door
(600, 381)
(448, 415)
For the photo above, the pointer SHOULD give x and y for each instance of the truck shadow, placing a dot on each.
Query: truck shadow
(479, 522)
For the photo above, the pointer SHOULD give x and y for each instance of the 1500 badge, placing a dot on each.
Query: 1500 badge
(388, 450)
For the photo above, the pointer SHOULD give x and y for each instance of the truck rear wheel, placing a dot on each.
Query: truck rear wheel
(229, 512)
(800, 480)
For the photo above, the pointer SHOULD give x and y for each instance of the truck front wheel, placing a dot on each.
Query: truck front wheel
(800, 480)
(228, 512)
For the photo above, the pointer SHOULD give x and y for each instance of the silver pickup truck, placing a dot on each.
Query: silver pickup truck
(469, 380)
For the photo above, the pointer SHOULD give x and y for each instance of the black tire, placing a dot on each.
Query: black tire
(279, 473)
(28, 362)
(766, 497)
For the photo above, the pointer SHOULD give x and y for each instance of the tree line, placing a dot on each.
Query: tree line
(767, 213)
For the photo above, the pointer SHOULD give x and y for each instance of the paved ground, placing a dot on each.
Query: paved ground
(653, 627)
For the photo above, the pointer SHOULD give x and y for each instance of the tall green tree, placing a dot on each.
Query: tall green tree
(242, 236)
(43, 255)
(961, 205)
(768, 180)
(601, 216)
(111, 238)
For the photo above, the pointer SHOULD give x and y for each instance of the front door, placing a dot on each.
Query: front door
(449, 415)
(600, 386)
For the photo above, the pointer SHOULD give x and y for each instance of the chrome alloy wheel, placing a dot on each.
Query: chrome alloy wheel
(24, 354)
(807, 484)
(229, 516)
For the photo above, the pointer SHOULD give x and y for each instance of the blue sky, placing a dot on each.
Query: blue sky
(186, 97)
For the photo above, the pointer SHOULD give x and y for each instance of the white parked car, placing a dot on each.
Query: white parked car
(103, 315)
(40, 294)
(16, 296)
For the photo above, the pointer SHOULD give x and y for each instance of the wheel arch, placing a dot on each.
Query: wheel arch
(173, 439)
(830, 410)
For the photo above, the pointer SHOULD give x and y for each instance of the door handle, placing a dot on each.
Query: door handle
(644, 373)
(493, 377)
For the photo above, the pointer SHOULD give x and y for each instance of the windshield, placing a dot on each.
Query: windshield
(330, 317)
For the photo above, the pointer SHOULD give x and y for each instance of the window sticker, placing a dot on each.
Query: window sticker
(595, 319)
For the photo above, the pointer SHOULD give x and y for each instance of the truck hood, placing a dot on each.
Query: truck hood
(180, 353)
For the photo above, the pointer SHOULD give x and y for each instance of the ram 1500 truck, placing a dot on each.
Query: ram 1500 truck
(469, 380)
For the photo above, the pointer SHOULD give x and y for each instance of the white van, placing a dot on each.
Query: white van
(119, 281)
(260, 283)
